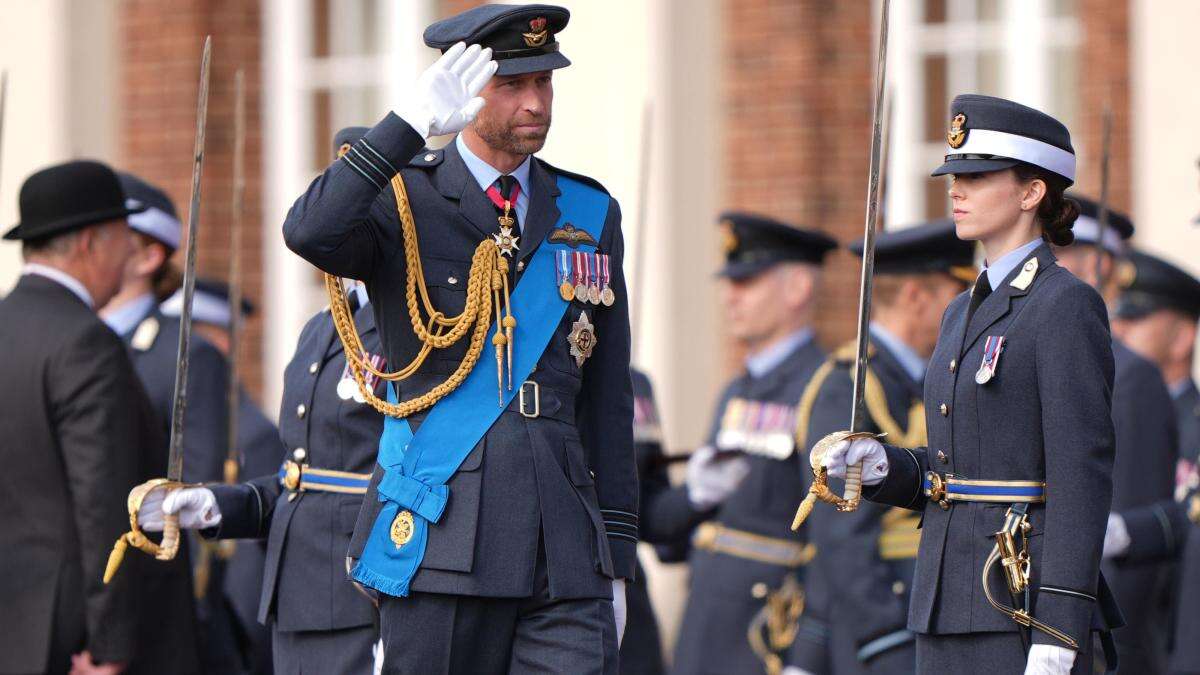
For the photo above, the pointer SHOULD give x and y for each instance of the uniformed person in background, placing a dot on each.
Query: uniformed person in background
(861, 628)
(1147, 449)
(745, 559)
(258, 452)
(305, 511)
(1156, 315)
(149, 278)
(1018, 400)
(508, 547)
(75, 423)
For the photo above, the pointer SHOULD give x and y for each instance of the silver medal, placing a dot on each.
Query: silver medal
(983, 375)
(347, 389)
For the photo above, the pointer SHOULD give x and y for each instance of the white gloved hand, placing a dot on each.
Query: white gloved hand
(867, 450)
(793, 670)
(377, 657)
(619, 610)
(1049, 660)
(197, 509)
(711, 479)
(1116, 537)
(445, 98)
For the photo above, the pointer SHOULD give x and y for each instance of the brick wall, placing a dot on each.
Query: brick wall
(161, 44)
(1104, 59)
(796, 100)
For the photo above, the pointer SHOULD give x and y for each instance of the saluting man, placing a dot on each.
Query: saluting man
(745, 557)
(306, 510)
(1147, 448)
(861, 629)
(501, 520)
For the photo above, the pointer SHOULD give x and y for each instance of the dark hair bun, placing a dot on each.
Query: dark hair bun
(1058, 217)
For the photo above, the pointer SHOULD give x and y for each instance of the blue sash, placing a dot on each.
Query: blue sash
(416, 467)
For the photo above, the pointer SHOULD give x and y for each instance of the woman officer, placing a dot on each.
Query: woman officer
(1020, 433)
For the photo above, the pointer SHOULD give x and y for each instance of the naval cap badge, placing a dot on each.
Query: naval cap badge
(958, 132)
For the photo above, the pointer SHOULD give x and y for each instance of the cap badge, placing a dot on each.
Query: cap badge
(957, 134)
(1126, 274)
(538, 33)
(729, 240)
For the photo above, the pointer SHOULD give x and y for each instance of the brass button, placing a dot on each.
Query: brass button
(759, 590)
(941, 456)
(298, 455)
(898, 588)
(429, 157)
(452, 280)
(944, 409)
(953, 365)
(520, 265)
(300, 410)
(314, 367)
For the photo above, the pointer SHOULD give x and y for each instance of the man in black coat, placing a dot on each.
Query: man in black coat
(745, 482)
(861, 627)
(75, 421)
(1146, 452)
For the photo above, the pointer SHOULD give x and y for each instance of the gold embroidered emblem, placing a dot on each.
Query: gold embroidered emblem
(538, 33)
(729, 240)
(957, 134)
(582, 339)
(571, 236)
(402, 528)
(1126, 273)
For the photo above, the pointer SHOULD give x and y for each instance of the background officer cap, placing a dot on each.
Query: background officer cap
(1151, 284)
(989, 134)
(347, 137)
(159, 219)
(1087, 226)
(754, 243)
(67, 197)
(924, 248)
(210, 303)
(521, 36)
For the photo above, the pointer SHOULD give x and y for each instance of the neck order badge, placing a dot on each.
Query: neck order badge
(417, 466)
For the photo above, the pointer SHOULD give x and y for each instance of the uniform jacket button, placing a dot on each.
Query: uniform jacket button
(298, 455)
(300, 410)
(759, 590)
(520, 265)
(944, 409)
(314, 367)
(953, 365)
(941, 457)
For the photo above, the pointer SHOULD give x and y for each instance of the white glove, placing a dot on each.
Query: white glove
(444, 99)
(1049, 660)
(197, 509)
(793, 670)
(710, 480)
(867, 450)
(1116, 537)
(619, 611)
(377, 657)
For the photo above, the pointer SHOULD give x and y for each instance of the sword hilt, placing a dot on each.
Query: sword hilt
(170, 538)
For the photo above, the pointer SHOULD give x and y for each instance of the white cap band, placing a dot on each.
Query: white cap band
(1087, 231)
(1013, 146)
(156, 223)
(206, 308)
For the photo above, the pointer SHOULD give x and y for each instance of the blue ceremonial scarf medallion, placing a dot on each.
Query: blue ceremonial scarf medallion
(417, 466)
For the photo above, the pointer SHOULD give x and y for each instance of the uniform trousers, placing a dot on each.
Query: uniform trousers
(324, 652)
(991, 653)
(436, 634)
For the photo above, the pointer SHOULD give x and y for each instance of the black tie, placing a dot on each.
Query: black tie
(983, 288)
(506, 185)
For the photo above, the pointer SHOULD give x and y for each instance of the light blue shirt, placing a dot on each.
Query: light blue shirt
(126, 317)
(998, 270)
(909, 359)
(485, 174)
(765, 360)
(1180, 388)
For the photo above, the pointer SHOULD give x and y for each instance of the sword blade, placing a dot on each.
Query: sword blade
(235, 269)
(868, 258)
(179, 399)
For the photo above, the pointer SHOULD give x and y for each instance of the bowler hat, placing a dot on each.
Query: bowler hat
(67, 197)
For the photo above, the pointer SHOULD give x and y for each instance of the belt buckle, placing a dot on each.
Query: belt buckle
(292, 474)
(537, 400)
(937, 490)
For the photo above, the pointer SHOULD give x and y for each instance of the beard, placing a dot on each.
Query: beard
(504, 135)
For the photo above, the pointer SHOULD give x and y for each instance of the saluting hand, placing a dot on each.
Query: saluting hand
(446, 98)
(197, 509)
(866, 450)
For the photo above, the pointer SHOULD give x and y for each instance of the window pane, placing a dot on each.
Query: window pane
(987, 10)
(1064, 84)
(355, 27)
(320, 25)
(935, 11)
(1063, 7)
(936, 100)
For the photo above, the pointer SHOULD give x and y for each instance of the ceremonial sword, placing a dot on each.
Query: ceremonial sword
(853, 492)
(169, 546)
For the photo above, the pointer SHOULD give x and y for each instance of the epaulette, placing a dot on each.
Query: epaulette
(587, 180)
(145, 334)
(427, 158)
